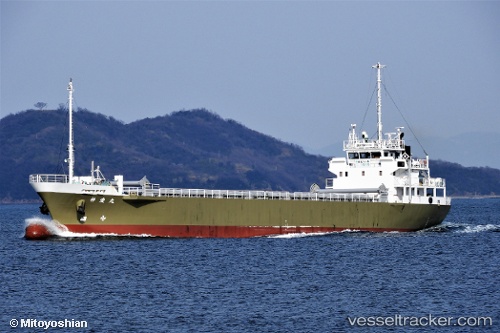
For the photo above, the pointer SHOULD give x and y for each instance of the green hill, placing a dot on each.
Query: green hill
(195, 149)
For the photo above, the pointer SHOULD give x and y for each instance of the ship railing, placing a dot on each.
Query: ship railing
(248, 195)
(393, 143)
(133, 191)
(419, 163)
(360, 144)
(374, 144)
(48, 178)
(437, 182)
(359, 197)
(151, 186)
(363, 163)
(427, 182)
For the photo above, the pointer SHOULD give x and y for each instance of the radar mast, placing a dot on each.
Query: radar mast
(378, 66)
(71, 149)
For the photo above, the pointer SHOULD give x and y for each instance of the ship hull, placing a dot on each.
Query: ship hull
(225, 218)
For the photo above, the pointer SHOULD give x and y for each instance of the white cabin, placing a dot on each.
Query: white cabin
(385, 166)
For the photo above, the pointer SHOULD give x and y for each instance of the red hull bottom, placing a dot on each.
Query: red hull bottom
(194, 231)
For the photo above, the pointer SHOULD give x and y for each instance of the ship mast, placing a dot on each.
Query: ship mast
(71, 149)
(378, 66)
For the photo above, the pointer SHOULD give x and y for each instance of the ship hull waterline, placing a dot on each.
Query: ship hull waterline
(232, 218)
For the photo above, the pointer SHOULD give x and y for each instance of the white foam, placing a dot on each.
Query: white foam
(464, 227)
(479, 228)
(303, 234)
(57, 229)
(54, 227)
(350, 230)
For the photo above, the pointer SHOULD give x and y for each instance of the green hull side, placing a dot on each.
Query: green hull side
(164, 211)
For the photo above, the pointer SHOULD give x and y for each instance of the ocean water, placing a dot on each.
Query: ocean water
(443, 279)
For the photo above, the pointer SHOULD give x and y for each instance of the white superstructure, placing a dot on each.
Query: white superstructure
(385, 166)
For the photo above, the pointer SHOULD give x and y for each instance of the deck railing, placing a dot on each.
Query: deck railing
(361, 144)
(248, 195)
(427, 182)
(48, 178)
(419, 163)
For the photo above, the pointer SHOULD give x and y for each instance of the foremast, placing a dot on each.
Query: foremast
(71, 148)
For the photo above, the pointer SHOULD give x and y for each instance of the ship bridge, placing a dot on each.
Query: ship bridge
(384, 165)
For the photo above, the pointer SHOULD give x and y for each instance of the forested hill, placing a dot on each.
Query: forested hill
(195, 149)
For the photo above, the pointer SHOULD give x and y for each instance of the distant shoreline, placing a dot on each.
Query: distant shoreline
(475, 196)
(20, 202)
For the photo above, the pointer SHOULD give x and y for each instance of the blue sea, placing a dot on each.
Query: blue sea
(443, 279)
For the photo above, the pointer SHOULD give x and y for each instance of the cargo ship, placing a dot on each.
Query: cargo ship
(378, 186)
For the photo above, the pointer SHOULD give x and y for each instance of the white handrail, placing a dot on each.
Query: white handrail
(48, 178)
(248, 195)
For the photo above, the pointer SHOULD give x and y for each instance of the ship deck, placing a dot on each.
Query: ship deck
(249, 195)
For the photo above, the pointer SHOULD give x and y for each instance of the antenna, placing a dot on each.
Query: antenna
(378, 66)
(71, 149)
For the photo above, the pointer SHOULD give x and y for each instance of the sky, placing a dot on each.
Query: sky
(300, 71)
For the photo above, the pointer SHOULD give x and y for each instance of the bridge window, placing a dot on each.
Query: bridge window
(401, 164)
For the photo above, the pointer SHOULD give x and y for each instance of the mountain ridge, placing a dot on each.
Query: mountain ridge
(189, 149)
